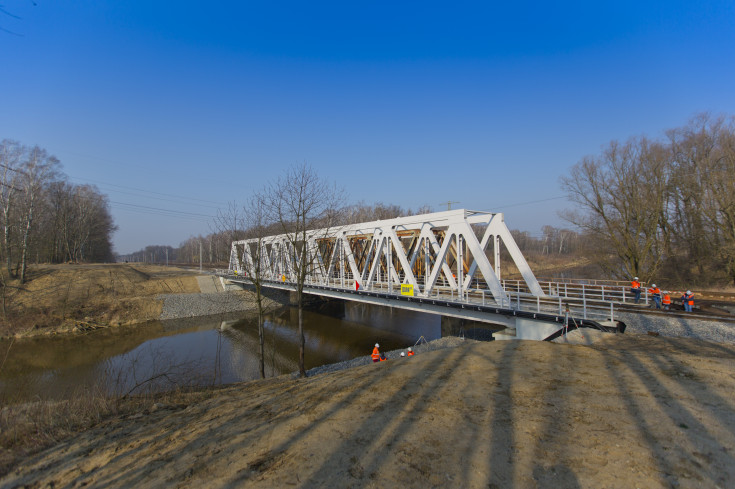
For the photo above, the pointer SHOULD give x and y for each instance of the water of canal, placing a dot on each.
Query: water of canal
(201, 351)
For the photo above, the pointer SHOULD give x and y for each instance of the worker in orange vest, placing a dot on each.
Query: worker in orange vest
(656, 293)
(666, 301)
(687, 301)
(376, 353)
(382, 357)
(410, 352)
(635, 287)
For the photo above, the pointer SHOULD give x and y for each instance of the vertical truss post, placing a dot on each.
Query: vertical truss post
(496, 253)
(339, 243)
(460, 268)
(234, 262)
(389, 263)
(427, 264)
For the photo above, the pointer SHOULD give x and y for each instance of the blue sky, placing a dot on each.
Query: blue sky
(185, 106)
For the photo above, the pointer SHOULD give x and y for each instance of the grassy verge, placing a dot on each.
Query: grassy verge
(27, 428)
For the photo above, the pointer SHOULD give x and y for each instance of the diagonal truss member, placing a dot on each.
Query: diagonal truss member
(441, 252)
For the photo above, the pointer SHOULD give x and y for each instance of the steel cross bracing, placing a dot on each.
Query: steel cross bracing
(442, 252)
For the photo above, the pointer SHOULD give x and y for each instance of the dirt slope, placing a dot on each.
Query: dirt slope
(59, 298)
(627, 411)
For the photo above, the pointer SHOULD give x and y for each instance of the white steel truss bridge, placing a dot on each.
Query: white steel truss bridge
(445, 263)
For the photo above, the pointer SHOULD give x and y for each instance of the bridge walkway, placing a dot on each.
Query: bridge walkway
(540, 318)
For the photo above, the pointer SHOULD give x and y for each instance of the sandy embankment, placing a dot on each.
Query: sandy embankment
(626, 411)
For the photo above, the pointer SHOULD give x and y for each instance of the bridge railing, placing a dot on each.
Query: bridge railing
(592, 290)
(585, 305)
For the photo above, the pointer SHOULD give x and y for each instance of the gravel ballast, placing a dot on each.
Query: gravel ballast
(177, 306)
(676, 326)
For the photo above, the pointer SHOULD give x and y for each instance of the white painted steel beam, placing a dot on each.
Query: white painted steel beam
(445, 238)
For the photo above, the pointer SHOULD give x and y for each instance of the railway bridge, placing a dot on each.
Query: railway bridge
(446, 263)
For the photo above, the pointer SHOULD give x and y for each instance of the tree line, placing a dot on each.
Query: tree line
(214, 248)
(44, 217)
(661, 208)
(230, 225)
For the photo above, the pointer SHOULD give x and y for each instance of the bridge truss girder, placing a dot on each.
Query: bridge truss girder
(428, 251)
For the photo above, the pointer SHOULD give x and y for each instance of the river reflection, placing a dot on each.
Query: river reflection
(202, 351)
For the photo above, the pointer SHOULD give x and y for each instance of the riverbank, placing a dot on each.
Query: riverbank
(625, 411)
(69, 298)
(66, 299)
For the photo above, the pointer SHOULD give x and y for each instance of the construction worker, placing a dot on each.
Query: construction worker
(635, 287)
(376, 353)
(382, 357)
(687, 300)
(410, 352)
(656, 293)
(666, 301)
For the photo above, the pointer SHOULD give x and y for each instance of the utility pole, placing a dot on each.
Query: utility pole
(166, 256)
(200, 255)
(448, 204)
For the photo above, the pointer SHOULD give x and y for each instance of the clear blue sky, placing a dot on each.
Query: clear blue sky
(188, 105)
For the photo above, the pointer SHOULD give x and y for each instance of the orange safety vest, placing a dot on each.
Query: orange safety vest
(689, 299)
(667, 299)
(376, 354)
(410, 354)
(635, 285)
(655, 291)
(382, 359)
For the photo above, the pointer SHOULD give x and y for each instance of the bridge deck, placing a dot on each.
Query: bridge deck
(542, 316)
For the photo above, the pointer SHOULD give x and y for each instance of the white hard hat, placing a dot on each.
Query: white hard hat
(653, 285)
(689, 291)
(409, 349)
(377, 345)
(635, 278)
(403, 354)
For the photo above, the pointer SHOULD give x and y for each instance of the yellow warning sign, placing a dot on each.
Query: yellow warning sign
(406, 289)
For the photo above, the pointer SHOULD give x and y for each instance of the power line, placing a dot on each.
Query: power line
(176, 201)
(154, 213)
(182, 197)
(17, 170)
(527, 203)
(161, 211)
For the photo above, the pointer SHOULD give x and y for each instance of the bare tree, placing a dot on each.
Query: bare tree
(229, 222)
(301, 201)
(38, 169)
(10, 158)
(621, 199)
(256, 221)
(703, 186)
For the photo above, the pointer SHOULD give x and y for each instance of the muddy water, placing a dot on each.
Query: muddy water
(201, 351)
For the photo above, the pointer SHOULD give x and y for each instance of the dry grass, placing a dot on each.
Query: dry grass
(27, 428)
(64, 297)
